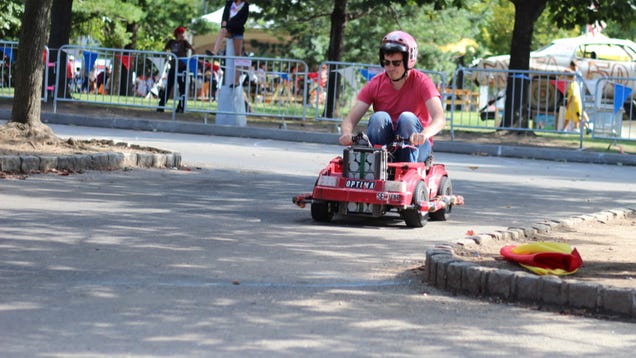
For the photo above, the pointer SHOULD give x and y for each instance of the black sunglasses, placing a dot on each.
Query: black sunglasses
(395, 63)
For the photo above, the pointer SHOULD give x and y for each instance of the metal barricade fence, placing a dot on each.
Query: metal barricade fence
(333, 91)
(288, 89)
(612, 112)
(272, 87)
(8, 54)
(336, 88)
(479, 99)
(116, 77)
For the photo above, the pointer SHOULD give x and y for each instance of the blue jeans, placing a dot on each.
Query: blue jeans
(381, 132)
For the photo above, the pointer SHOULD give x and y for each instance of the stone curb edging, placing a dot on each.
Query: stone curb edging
(25, 164)
(446, 271)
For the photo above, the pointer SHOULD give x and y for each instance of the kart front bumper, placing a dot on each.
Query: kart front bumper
(438, 203)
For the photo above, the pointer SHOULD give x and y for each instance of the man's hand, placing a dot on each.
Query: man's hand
(346, 139)
(418, 138)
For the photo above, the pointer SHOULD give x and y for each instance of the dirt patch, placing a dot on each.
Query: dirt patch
(607, 247)
(20, 139)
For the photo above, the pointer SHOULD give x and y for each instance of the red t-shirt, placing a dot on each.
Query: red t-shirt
(69, 69)
(412, 97)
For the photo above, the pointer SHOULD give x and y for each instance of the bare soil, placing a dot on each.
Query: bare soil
(608, 248)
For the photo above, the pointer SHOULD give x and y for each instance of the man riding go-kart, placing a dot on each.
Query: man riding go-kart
(407, 106)
(405, 101)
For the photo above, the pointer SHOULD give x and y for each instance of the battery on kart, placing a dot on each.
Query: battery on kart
(365, 163)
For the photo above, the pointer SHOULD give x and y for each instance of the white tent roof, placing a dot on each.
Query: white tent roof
(213, 16)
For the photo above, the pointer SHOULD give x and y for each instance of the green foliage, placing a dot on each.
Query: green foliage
(496, 28)
(309, 23)
(10, 19)
(162, 17)
(106, 22)
(568, 13)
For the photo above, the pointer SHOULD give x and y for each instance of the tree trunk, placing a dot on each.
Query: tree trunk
(336, 38)
(60, 34)
(29, 72)
(516, 108)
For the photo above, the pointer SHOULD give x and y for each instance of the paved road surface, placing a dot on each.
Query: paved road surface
(216, 261)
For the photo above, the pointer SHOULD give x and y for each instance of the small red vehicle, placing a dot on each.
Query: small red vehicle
(365, 181)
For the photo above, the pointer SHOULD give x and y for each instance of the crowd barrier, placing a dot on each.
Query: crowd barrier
(613, 109)
(8, 54)
(272, 87)
(479, 102)
(287, 89)
(117, 77)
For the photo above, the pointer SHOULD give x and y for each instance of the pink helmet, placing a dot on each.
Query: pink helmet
(400, 41)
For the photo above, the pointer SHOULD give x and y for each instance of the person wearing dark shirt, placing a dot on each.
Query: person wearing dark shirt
(179, 46)
(233, 21)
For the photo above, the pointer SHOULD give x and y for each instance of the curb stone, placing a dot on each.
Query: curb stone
(446, 271)
(26, 164)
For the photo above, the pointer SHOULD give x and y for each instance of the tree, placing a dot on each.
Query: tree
(25, 114)
(135, 24)
(526, 14)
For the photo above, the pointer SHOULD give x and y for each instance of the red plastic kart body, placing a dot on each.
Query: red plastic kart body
(364, 182)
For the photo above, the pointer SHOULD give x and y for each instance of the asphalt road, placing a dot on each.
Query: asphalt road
(216, 261)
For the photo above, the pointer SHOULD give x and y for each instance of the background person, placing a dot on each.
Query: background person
(70, 75)
(102, 81)
(574, 112)
(233, 21)
(179, 46)
(405, 102)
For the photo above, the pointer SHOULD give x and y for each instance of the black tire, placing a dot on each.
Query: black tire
(322, 211)
(413, 217)
(445, 188)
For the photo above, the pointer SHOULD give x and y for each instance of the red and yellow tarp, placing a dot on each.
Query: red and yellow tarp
(544, 257)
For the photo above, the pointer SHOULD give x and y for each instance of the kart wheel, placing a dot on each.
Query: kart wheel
(445, 188)
(322, 211)
(413, 217)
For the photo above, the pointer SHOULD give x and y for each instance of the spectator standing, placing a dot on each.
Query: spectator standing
(216, 77)
(180, 47)
(70, 75)
(574, 112)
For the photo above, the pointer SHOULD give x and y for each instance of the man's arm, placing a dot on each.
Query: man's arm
(350, 122)
(438, 122)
